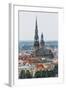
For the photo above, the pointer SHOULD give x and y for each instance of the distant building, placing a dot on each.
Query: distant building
(39, 47)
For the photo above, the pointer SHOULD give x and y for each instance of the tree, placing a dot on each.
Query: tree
(56, 69)
(22, 74)
(44, 73)
(28, 74)
(38, 74)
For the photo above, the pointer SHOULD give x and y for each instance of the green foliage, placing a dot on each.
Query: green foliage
(28, 74)
(22, 74)
(56, 69)
(51, 73)
(39, 74)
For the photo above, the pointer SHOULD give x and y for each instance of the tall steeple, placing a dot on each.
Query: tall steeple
(36, 37)
(42, 43)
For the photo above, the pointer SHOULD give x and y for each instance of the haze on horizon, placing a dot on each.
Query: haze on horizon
(47, 24)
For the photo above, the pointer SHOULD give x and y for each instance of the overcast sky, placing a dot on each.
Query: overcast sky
(47, 23)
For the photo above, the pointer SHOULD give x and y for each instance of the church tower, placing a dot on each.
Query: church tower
(36, 37)
(42, 43)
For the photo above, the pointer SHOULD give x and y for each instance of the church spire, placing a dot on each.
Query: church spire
(36, 37)
(42, 43)
(36, 31)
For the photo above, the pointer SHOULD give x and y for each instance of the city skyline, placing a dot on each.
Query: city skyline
(47, 24)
